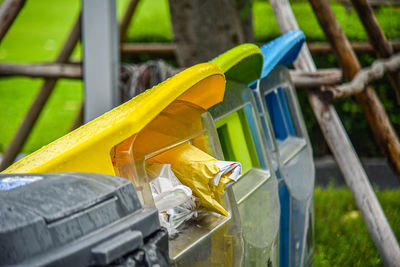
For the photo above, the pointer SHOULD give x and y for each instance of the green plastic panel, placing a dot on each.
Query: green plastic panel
(236, 140)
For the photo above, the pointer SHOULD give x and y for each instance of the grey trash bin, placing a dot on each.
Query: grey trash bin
(77, 219)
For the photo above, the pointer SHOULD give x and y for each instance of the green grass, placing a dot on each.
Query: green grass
(341, 237)
(154, 26)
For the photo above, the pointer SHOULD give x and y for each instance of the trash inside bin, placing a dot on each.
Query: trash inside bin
(212, 237)
(77, 219)
(123, 141)
(241, 136)
(279, 110)
(200, 172)
(175, 202)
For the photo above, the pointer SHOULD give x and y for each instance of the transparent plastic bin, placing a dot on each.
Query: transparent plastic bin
(121, 142)
(286, 137)
(258, 202)
(256, 192)
(208, 240)
(296, 161)
(297, 174)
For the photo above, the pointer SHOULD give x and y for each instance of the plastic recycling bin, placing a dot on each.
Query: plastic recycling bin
(280, 111)
(77, 219)
(242, 140)
(122, 141)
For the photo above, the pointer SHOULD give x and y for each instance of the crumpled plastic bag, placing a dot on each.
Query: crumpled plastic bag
(205, 175)
(174, 201)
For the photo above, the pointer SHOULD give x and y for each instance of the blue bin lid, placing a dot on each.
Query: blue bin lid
(282, 50)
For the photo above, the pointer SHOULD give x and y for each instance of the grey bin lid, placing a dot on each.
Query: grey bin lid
(70, 218)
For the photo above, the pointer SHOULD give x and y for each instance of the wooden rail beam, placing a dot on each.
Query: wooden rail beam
(300, 79)
(308, 79)
(317, 49)
(168, 49)
(165, 49)
(42, 70)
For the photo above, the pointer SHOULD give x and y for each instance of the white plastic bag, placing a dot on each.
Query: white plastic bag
(174, 201)
(225, 167)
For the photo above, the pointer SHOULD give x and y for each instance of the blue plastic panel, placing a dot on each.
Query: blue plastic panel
(281, 51)
(280, 116)
(278, 109)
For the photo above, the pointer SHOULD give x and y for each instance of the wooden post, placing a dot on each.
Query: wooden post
(123, 30)
(9, 10)
(34, 111)
(376, 37)
(372, 106)
(343, 151)
(126, 20)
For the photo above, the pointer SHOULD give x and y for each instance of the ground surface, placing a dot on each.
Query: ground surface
(341, 238)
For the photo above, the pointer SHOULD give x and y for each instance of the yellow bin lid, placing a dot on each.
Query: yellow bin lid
(88, 148)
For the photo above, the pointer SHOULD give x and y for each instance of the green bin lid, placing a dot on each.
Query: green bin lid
(242, 63)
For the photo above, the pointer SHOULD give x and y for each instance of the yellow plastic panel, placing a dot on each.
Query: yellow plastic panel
(88, 148)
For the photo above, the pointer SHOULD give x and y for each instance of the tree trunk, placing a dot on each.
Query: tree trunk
(245, 12)
(204, 29)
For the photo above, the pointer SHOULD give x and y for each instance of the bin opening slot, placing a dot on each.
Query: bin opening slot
(181, 123)
(177, 123)
(199, 217)
(236, 140)
(206, 176)
(280, 114)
